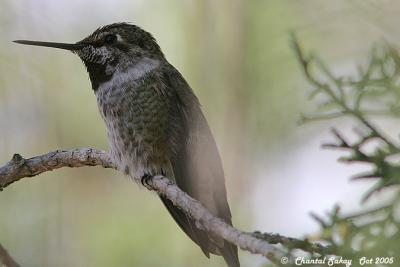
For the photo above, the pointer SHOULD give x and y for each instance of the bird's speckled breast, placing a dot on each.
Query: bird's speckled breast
(136, 113)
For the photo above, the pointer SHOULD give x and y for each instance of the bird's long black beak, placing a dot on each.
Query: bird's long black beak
(71, 47)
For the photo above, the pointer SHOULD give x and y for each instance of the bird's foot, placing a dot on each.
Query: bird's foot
(145, 181)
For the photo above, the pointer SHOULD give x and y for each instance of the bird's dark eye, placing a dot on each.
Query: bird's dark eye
(110, 39)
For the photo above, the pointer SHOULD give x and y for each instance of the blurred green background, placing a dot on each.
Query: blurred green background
(236, 56)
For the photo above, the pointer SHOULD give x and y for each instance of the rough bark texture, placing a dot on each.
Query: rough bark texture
(257, 243)
(18, 167)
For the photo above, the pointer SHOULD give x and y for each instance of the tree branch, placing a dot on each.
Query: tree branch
(294, 243)
(18, 168)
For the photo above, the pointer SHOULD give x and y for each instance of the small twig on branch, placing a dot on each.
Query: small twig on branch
(5, 259)
(294, 243)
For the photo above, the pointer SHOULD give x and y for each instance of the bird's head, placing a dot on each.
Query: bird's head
(114, 47)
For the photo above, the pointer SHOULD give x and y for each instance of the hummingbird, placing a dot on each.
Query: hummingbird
(155, 125)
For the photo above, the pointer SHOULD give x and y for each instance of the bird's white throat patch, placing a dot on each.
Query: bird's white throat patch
(131, 74)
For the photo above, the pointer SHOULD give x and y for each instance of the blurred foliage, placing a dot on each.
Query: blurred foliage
(373, 233)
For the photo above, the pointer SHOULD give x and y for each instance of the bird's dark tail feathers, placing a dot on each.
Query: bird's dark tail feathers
(188, 225)
(230, 254)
